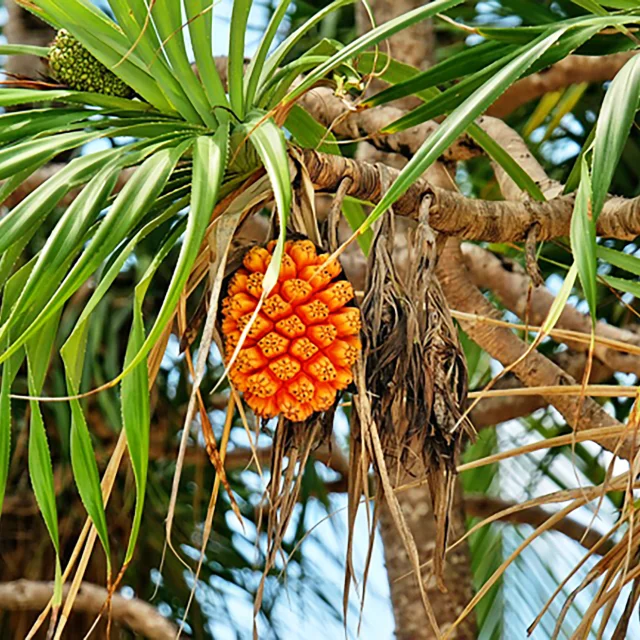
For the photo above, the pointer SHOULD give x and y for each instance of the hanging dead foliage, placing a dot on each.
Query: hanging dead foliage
(408, 421)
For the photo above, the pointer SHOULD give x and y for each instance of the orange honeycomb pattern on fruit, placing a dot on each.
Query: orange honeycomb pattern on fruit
(304, 340)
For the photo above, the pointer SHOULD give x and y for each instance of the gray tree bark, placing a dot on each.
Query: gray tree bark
(411, 622)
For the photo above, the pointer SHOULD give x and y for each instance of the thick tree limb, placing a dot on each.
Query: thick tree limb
(509, 282)
(471, 219)
(503, 345)
(345, 121)
(571, 70)
(451, 212)
(512, 142)
(343, 118)
(139, 616)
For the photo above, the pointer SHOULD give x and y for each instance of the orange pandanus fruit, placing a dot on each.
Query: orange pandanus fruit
(299, 351)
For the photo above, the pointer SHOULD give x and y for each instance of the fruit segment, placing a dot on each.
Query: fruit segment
(303, 341)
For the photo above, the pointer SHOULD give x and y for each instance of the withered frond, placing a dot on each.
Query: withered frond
(415, 369)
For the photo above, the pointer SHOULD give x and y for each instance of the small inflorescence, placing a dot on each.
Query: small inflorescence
(304, 340)
(73, 65)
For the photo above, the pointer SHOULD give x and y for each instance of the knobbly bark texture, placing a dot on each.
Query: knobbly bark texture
(342, 117)
(453, 214)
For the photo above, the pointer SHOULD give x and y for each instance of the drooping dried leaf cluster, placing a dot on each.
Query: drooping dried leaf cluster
(408, 419)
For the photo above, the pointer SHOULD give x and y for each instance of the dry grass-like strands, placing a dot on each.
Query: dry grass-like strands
(411, 384)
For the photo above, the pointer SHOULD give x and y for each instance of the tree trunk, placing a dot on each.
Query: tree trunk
(411, 622)
(416, 46)
(24, 28)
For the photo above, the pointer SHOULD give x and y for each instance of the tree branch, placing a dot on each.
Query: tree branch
(492, 411)
(467, 218)
(571, 70)
(502, 344)
(451, 212)
(139, 616)
(509, 282)
(482, 506)
(340, 116)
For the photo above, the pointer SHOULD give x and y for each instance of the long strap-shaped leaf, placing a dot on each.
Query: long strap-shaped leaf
(72, 231)
(481, 62)
(453, 68)
(59, 250)
(15, 97)
(9, 372)
(451, 97)
(199, 13)
(612, 129)
(19, 156)
(83, 461)
(136, 417)
(94, 30)
(130, 206)
(239, 20)
(457, 122)
(167, 17)
(395, 72)
(583, 240)
(370, 39)
(135, 19)
(73, 352)
(276, 58)
(34, 209)
(40, 468)
(270, 144)
(136, 414)
(24, 124)
(257, 62)
(209, 164)
(619, 259)
(23, 50)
